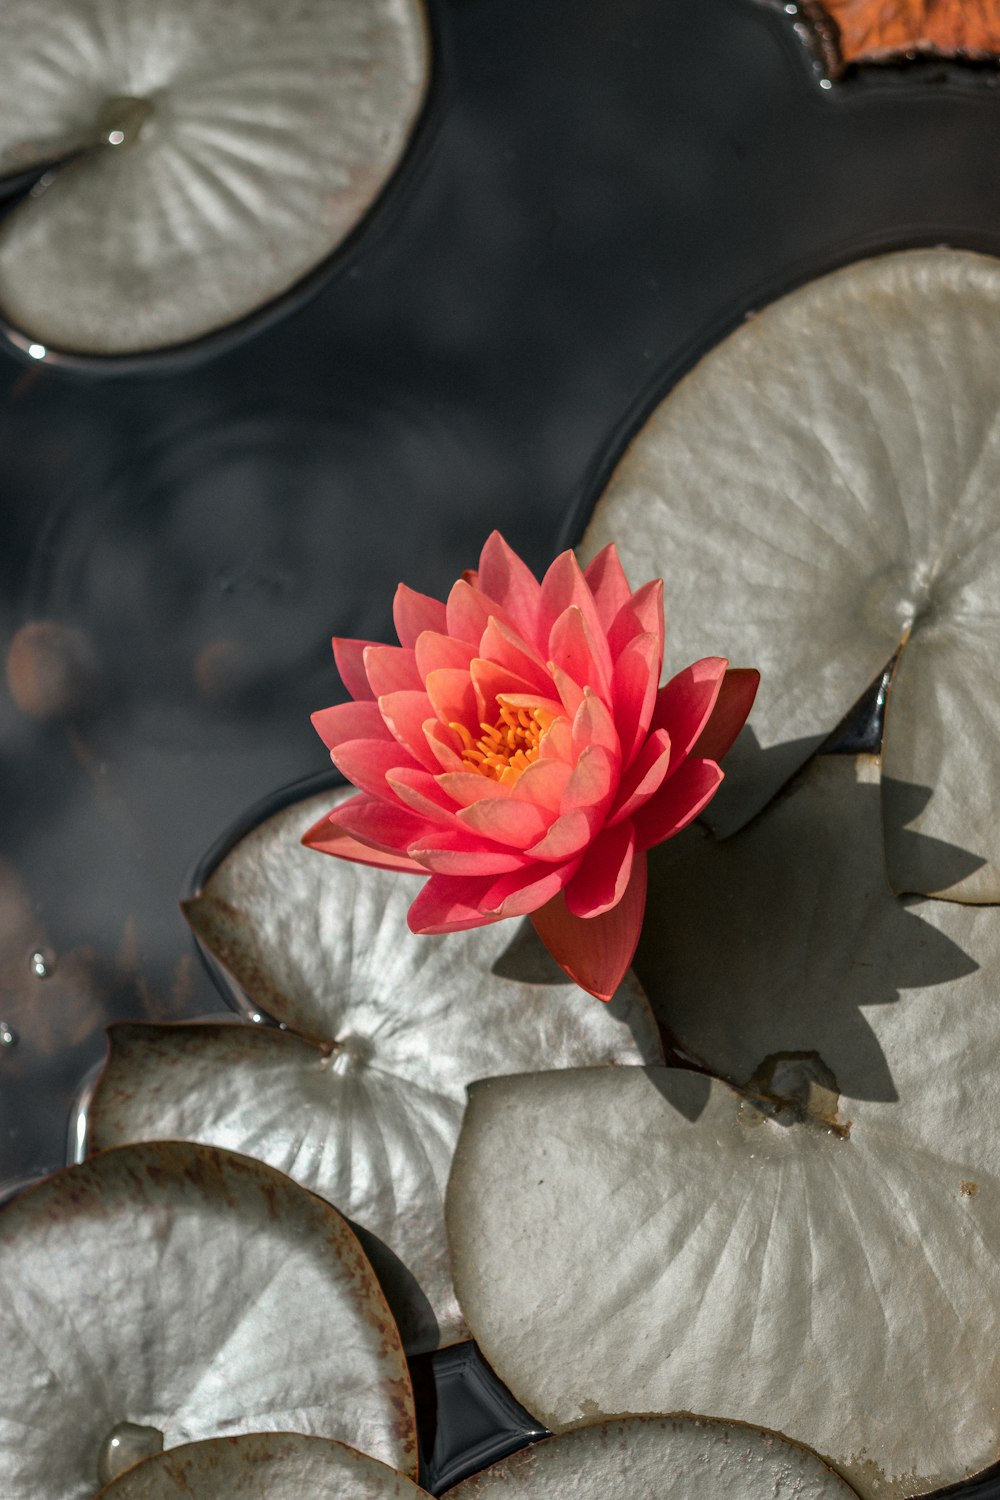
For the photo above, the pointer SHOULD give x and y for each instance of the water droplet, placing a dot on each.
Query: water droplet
(8, 1037)
(42, 963)
(826, 83)
(37, 351)
(791, 10)
(124, 1446)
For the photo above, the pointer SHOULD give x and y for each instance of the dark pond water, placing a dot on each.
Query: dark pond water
(598, 191)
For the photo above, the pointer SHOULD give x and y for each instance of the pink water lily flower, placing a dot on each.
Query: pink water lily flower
(517, 748)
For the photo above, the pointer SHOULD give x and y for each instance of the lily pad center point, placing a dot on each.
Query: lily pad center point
(121, 120)
(126, 1444)
(350, 1054)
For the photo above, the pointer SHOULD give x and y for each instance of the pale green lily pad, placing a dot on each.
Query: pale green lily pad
(263, 1466)
(367, 1111)
(660, 1458)
(165, 1293)
(262, 134)
(819, 489)
(819, 1255)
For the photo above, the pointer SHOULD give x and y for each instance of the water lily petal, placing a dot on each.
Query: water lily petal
(592, 781)
(678, 802)
(563, 587)
(506, 820)
(466, 787)
(405, 714)
(374, 821)
(420, 790)
(449, 903)
(633, 692)
(685, 704)
(453, 698)
(446, 852)
(594, 726)
(731, 711)
(607, 582)
(434, 650)
(469, 612)
(490, 680)
(600, 882)
(642, 615)
(366, 763)
(391, 669)
(519, 894)
(335, 841)
(508, 648)
(349, 656)
(350, 721)
(413, 613)
(569, 835)
(596, 951)
(544, 782)
(583, 656)
(646, 774)
(442, 744)
(503, 576)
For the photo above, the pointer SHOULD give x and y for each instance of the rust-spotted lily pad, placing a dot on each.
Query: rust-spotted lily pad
(263, 1466)
(659, 1458)
(165, 1293)
(364, 1104)
(820, 490)
(218, 153)
(818, 1249)
(893, 31)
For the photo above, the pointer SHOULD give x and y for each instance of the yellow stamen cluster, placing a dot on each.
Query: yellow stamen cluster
(509, 746)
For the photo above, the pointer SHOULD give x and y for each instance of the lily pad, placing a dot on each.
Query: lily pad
(659, 1458)
(263, 1466)
(816, 1252)
(365, 1105)
(165, 1293)
(830, 470)
(218, 154)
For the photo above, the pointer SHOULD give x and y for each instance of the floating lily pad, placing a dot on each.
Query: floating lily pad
(221, 153)
(263, 1466)
(818, 1252)
(165, 1293)
(819, 489)
(659, 1458)
(364, 1108)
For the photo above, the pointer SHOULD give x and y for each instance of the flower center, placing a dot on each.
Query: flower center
(509, 746)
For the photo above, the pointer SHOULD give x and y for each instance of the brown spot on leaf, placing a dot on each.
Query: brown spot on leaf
(797, 1088)
(968, 1189)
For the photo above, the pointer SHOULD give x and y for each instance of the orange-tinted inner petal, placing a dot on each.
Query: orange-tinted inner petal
(507, 747)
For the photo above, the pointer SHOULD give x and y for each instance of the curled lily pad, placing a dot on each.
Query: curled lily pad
(364, 1107)
(817, 1250)
(263, 1466)
(164, 1293)
(830, 469)
(659, 1458)
(218, 153)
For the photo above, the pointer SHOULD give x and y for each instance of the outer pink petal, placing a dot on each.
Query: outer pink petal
(509, 649)
(506, 820)
(634, 686)
(642, 615)
(469, 612)
(678, 802)
(453, 853)
(607, 582)
(350, 659)
(391, 669)
(349, 721)
(367, 762)
(580, 653)
(684, 705)
(504, 577)
(453, 698)
(569, 835)
(421, 792)
(564, 585)
(596, 951)
(413, 613)
(405, 714)
(381, 825)
(520, 894)
(434, 650)
(646, 774)
(732, 707)
(340, 844)
(600, 882)
(557, 741)
(449, 903)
